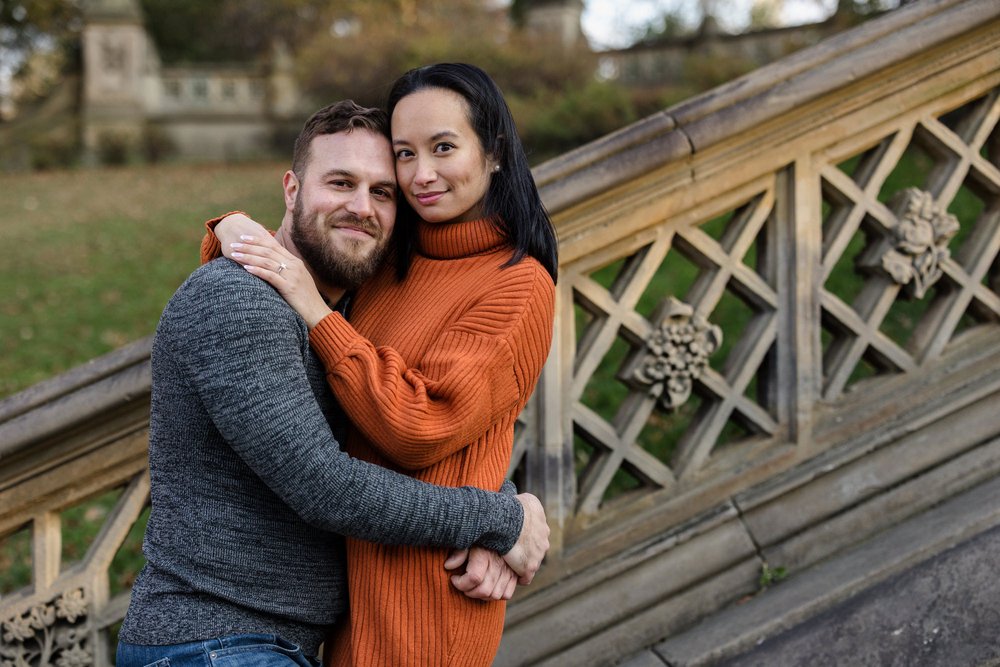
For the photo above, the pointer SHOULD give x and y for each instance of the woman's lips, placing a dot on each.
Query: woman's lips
(426, 198)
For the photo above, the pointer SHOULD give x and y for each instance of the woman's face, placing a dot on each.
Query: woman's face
(440, 164)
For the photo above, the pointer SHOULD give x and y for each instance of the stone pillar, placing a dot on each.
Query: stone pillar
(284, 96)
(115, 53)
(559, 19)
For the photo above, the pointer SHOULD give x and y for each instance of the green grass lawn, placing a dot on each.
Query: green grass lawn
(90, 257)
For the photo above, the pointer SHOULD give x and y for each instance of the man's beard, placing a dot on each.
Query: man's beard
(333, 266)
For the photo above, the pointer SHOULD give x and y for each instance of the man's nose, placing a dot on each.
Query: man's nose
(361, 204)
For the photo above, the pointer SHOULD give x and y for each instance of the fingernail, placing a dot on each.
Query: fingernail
(235, 245)
(244, 237)
(237, 254)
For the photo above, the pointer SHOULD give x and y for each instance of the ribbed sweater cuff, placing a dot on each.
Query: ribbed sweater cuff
(332, 338)
(502, 524)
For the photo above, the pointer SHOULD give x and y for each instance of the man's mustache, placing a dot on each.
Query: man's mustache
(366, 225)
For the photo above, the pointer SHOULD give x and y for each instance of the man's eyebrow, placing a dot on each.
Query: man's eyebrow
(386, 184)
(338, 172)
(440, 135)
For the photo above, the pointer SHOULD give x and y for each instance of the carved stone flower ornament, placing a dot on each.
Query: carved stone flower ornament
(675, 354)
(54, 633)
(919, 241)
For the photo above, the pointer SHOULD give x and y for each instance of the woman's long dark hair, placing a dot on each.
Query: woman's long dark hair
(511, 200)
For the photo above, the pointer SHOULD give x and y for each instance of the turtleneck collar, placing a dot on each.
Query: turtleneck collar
(451, 240)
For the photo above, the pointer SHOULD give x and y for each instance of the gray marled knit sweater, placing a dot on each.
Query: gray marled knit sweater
(249, 485)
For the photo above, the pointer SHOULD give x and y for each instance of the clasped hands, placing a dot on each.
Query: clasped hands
(490, 576)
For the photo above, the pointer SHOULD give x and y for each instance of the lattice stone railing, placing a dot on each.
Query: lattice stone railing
(744, 279)
(890, 211)
(836, 216)
(824, 224)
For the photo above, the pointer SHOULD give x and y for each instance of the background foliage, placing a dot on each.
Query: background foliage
(351, 48)
(356, 48)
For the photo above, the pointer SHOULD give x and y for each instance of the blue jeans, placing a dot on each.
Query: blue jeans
(250, 650)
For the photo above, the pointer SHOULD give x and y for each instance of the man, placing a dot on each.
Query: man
(249, 487)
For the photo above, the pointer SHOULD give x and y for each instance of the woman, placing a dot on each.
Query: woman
(452, 353)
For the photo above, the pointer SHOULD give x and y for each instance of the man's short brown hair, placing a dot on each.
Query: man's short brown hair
(343, 116)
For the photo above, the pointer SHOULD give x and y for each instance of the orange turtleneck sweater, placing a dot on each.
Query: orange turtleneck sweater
(432, 372)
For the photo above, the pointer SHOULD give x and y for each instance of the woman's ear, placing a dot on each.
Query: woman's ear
(495, 153)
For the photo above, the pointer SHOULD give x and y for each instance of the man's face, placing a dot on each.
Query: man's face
(344, 207)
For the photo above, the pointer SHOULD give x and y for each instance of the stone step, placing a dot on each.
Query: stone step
(924, 592)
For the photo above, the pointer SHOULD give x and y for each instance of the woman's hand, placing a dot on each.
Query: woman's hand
(267, 259)
(233, 227)
(486, 577)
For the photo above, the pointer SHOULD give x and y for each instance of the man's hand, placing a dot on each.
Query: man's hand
(486, 576)
(526, 556)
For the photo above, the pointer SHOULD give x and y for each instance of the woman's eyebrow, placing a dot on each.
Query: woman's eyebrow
(439, 135)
